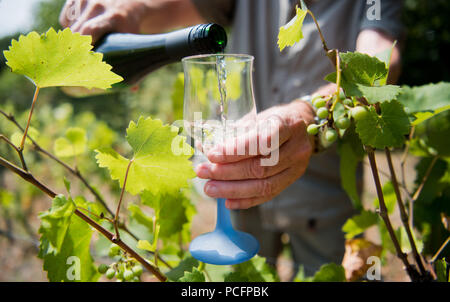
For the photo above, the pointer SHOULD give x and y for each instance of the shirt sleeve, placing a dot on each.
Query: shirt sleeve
(388, 19)
(216, 11)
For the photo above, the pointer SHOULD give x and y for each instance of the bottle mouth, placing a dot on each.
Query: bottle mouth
(209, 38)
(218, 36)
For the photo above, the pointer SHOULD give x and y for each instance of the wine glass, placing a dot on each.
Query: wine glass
(218, 107)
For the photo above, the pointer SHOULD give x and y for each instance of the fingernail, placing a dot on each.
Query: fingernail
(211, 190)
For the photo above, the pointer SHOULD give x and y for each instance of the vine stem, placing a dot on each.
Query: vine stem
(19, 151)
(425, 178)
(27, 176)
(22, 144)
(411, 270)
(324, 44)
(443, 246)
(403, 214)
(74, 172)
(116, 217)
(338, 81)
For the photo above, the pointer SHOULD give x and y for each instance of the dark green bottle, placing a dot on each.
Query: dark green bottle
(134, 56)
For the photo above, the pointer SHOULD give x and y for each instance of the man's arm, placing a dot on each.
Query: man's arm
(98, 17)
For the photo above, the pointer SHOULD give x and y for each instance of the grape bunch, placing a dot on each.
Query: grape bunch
(124, 269)
(330, 125)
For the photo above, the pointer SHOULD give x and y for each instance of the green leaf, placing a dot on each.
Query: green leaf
(351, 153)
(156, 165)
(254, 270)
(73, 144)
(194, 276)
(55, 223)
(385, 130)
(424, 102)
(359, 223)
(16, 137)
(59, 58)
(172, 212)
(390, 199)
(145, 245)
(140, 217)
(385, 56)
(291, 33)
(441, 270)
(365, 76)
(424, 98)
(186, 265)
(177, 97)
(73, 262)
(330, 272)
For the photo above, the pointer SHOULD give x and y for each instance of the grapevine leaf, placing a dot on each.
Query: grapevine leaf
(73, 262)
(359, 223)
(365, 76)
(171, 212)
(291, 33)
(186, 265)
(433, 132)
(426, 101)
(145, 245)
(156, 165)
(385, 130)
(140, 217)
(385, 56)
(351, 153)
(194, 276)
(73, 144)
(177, 97)
(55, 223)
(59, 58)
(330, 272)
(441, 270)
(390, 199)
(255, 270)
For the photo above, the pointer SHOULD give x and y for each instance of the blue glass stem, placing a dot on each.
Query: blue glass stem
(223, 216)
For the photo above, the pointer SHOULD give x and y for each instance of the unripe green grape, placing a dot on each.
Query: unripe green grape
(314, 97)
(322, 112)
(348, 102)
(136, 279)
(319, 103)
(110, 273)
(342, 95)
(137, 270)
(331, 135)
(312, 129)
(359, 113)
(114, 250)
(102, 268)
(128, 275)
(343, 123)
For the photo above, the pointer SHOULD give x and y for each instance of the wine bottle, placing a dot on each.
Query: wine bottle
(133, 56)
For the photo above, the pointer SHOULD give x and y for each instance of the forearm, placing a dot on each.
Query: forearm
(163, 15)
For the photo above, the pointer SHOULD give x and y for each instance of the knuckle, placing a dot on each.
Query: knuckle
(255, 169)
(266, 187)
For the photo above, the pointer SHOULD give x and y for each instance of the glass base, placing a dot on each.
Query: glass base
(224, 247)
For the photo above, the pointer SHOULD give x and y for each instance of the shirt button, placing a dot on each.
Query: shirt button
(275, 89)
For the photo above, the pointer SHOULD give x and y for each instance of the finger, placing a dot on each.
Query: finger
(91, 12)
(71, 11)
(98, 27)
(269, 135)
(245, 203)
(290, 153)
(237, 189)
